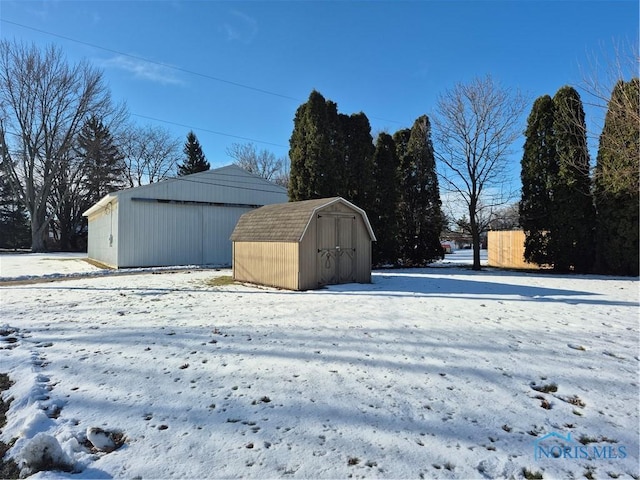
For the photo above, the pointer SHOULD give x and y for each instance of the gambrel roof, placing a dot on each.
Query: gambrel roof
(286, 222)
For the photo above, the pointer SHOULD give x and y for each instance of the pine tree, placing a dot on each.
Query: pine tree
(616, 182)
(195, 161)
(539, 169)
(101, 165)
(571, 243)
(419, 210)
(382, 212)
(15, 231)
(101, 159)
(315, 147)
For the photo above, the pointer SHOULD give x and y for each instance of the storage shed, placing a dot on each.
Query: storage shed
(303, 245)
(180, 221)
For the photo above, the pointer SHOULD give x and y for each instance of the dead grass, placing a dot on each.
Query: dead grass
(573, 400)
(96, 263)
(220, 281)
(529, 475)
(8, 468)
(547, 388)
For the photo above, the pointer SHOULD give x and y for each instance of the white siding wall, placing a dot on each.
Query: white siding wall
(157, 234)
(153, 233)
(103, 235)
(160, 234)
(218, 225)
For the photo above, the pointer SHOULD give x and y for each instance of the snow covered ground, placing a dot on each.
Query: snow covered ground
(425, 373)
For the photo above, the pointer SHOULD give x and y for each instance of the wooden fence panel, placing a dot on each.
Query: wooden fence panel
(506, 249)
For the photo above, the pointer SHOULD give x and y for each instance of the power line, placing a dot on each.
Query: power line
(208, 131)
(164, 65)
(172, 67)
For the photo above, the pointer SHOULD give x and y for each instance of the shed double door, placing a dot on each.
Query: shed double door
(336, 248)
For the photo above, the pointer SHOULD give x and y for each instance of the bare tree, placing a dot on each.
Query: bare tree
(151, 154)
(599, 80)
(263, 163)
(506, 218)
(493, 217)
(476, 124)
(605, 71)
(43, 104)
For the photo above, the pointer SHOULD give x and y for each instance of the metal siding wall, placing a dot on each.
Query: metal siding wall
(153, 234)
(101, 226)
(267, 263)
(157, 234)
(230, 186)
(218, 225)
(161, 235)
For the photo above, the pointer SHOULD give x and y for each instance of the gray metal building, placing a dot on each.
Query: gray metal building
(303, 245)
(181, 221)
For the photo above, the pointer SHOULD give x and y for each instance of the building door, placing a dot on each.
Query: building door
(336, 248)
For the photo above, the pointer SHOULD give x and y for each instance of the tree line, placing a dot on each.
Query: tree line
(64, 144)
(394, 179)
(576, 220)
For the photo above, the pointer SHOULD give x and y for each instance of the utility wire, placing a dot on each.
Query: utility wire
(172, 67)
(164, 65)
(208, 131)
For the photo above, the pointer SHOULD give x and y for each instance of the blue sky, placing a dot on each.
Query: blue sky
(389, 59)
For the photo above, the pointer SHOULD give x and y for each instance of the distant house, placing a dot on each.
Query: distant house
(181, 221)
(303, 245)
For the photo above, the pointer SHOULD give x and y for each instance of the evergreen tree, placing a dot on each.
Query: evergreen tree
(382, 213)
(539, 170)
(103, 163)
(102, 169)
(195, 161)
(405, 229)
(420, 214)
(315, 147)
(357, 155)
(571, 244)
(15, 231)
(616, 184)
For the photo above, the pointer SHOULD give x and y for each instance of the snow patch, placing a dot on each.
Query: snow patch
(43, 452)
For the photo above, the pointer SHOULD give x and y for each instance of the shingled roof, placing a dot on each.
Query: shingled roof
(284, 222)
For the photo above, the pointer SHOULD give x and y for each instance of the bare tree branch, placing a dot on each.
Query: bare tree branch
(476, 125)
(151, 154)
(44, 102)
(262, 163)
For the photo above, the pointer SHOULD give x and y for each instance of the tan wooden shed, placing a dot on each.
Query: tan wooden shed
(303, 245)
